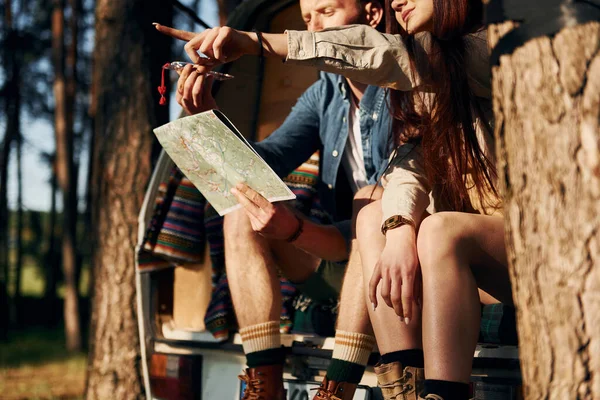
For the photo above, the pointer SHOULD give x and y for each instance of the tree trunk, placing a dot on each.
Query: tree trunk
(8, 65)
(19, 260)
(547, 107)
(18, 138)
(51, 259)
(4, 235)
(63, 128)
(127, 64)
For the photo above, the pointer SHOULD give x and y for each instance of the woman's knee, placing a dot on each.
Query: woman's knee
(440, 235)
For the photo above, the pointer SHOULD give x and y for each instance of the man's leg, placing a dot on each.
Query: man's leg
(354, 340)
(400, 345)
(256, 295)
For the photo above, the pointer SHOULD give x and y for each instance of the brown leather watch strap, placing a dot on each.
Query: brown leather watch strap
(294, 236)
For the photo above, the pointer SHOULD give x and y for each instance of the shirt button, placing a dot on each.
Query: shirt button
(343, 119)
(375, 116)
(301, 53)
(330, 186)
(334, 153)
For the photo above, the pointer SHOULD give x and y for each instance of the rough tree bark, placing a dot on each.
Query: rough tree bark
(63, 129)
(547, 107)
(128, 57)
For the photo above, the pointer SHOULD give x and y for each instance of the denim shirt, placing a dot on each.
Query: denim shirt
(319, 121)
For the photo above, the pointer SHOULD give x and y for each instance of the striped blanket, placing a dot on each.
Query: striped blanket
(181, 223)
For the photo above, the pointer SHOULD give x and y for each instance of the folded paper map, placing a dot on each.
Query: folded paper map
(212, 153)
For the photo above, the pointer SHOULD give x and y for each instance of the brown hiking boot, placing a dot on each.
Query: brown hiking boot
(263, 383)
(332, 390)
(399, 384)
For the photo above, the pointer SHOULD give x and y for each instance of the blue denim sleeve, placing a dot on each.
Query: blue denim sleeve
(298, 137)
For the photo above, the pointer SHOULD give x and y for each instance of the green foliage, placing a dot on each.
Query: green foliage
(35, 250)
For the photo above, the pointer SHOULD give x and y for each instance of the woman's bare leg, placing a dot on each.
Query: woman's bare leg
(391, 332)
(458, 252)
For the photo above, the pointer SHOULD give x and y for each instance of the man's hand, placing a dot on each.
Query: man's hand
(274, 221)
(220, 45)
(194, 90)
(398, 272)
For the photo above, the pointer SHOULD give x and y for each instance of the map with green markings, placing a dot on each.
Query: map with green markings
(212, 154)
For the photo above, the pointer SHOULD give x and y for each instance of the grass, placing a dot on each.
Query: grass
(35, 365)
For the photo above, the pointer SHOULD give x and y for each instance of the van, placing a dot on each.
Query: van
(181, 357)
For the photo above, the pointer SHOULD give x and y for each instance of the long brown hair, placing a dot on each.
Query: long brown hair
(444, 123)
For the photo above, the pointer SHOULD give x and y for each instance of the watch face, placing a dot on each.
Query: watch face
(394, 222)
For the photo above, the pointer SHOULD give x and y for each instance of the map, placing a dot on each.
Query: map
(215, 157)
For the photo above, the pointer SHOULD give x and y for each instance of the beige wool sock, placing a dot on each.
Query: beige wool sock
(261, 337)
(353, 347)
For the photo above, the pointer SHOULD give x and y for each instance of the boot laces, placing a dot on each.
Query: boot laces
(254, 387)
(325, 394)
(402, 384)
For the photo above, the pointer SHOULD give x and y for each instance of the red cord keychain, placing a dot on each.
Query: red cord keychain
(162, 89)
(176, 65)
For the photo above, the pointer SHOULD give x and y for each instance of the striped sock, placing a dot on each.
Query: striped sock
(350, 356)
(262, 344)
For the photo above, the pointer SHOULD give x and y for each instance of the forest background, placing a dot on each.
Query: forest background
(47, 131)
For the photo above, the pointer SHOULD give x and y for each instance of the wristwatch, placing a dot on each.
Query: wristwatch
(395, 221)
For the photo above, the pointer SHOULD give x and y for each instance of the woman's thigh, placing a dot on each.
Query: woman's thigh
(477, 240)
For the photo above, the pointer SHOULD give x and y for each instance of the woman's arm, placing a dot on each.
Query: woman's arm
(406, 185)
(357, 52)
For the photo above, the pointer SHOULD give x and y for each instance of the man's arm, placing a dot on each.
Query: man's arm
(323, 241)
(279, 222)
(298, 137)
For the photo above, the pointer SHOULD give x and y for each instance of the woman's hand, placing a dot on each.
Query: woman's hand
(398, 272)
(220, 45)
(194, 90)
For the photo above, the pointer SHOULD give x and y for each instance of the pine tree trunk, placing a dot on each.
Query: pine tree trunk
(8, 62)
(20, 227)
(63, 128)
(50, 261)
(18, 138)
(547, 107)
(127, 62)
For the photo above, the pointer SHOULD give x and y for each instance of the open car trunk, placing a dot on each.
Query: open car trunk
(180, 358)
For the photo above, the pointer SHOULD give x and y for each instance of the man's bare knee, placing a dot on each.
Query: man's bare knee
(366, 195)
(368, 219)
(236, 226)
